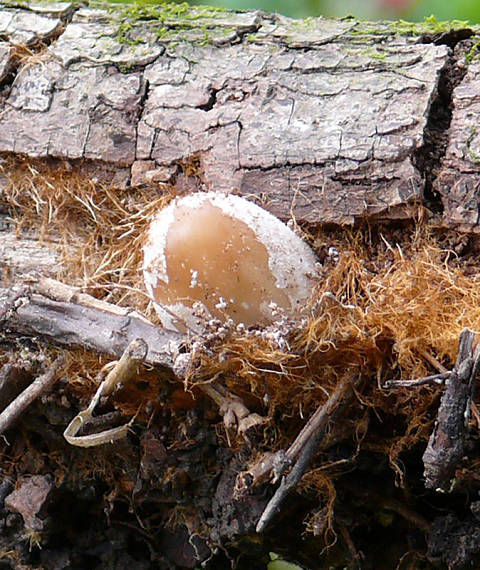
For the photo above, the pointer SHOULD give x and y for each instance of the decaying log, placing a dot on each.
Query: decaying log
(22, 253)
(307, 116)
(327, 120)
(458, 180)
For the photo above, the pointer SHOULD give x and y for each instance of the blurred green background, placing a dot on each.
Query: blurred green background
(414, 10)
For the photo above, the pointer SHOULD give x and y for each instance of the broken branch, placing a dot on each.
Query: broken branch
(447, 442)
(89, 323)
(64, 315)
(306, 445)
(38, 387)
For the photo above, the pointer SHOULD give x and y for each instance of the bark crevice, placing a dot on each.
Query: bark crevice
(429, 157)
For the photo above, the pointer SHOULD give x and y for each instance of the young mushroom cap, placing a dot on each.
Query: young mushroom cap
(236, 259)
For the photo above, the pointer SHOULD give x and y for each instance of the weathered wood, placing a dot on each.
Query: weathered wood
(446, 445)
(458, 181)
(55, 313)
(304, 448)
(323, 119)
(104, 331)
(21, 254)
(39, 386)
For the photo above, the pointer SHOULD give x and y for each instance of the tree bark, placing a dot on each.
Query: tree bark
(328, 120)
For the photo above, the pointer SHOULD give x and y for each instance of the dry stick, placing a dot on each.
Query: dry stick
(38, 387)
(426, 381)
(446, 445)
(340, 398)
(274, 464)
(434, 362)
(62, 314)
(107, 329)
(440, 378)
(278, 462)
(441, 368)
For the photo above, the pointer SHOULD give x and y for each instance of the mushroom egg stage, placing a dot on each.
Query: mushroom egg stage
(225, 252)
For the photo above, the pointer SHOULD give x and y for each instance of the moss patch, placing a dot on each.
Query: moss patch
(430, 25)
(167, 21)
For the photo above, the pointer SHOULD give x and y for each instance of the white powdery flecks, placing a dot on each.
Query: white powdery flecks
(282, 266)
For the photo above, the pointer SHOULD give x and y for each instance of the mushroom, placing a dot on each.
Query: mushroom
(234, 258)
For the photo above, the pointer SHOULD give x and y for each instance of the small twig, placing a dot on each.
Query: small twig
(385, 501)
(433, 361)
(38, 387)
(414, 518)
(58, 291)
(340, 398)
(316, 422)
(274, 465)
(122, 371)
(434, 379)
(447, 441)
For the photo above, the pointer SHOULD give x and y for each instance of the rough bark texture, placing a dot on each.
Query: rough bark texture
(325, 119)
(81, 325)
(447, 442)
(458, 181)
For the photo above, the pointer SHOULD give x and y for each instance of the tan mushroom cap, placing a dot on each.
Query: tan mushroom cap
(230, 255)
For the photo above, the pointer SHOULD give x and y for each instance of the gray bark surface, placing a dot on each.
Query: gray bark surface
(325, 119)
(24, 253)
(90, 323)
(458, 182)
